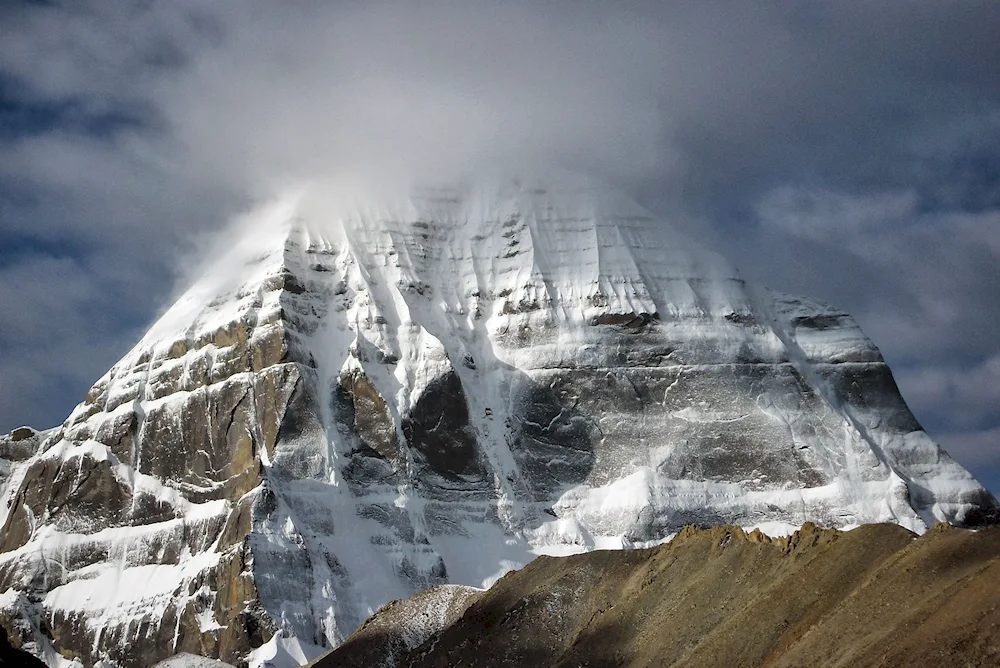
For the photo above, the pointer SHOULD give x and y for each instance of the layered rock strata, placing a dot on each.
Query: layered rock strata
(366, 396)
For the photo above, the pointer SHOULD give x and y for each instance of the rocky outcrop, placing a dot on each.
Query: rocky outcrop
(132, 519)
(716, 597)
(11, 657)
(362, 400)
(185, 660)
(389, 636)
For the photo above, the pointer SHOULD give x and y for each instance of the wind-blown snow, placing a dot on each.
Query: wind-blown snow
(282, 652)
(612, 381)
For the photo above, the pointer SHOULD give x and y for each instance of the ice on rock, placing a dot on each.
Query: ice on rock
(367, 395)
(186, 660)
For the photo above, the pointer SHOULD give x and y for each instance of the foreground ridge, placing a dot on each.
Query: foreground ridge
(874, 596)
(367, 394)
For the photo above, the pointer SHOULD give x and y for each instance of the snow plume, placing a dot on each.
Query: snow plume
(431, 89)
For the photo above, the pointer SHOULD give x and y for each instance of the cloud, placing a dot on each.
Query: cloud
(707, 102)
(56, 336)
(838, 218)
(933, 271)
(965, 397)
(850, 150)
(437, 89)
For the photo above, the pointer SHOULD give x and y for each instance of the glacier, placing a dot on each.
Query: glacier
(373, 391)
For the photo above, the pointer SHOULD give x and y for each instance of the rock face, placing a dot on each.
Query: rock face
(713, 598)
(398, 629)
(368, 395)
(11, 657)
(185, 660)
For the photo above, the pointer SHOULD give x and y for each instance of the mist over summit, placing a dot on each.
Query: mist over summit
(369, 393)
(353, 335)
(129, 136)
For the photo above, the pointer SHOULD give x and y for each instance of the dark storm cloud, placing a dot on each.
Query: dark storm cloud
(845, 150)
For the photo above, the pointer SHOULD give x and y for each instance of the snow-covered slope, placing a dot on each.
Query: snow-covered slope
(368, 394)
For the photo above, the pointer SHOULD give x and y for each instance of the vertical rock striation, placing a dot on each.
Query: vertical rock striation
(366, 396)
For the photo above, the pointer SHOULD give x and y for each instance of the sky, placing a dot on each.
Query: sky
(849, 151)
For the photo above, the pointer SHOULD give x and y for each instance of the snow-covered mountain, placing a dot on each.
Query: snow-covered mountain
(368, 394)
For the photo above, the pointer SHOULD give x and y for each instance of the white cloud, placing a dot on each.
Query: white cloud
(148, 124)
(835, 217)
(933, 272)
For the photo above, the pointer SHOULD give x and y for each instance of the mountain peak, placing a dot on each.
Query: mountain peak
(571, 236)
(370, 391)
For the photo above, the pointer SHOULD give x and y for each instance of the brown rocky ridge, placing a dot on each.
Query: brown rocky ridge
(874, 596)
